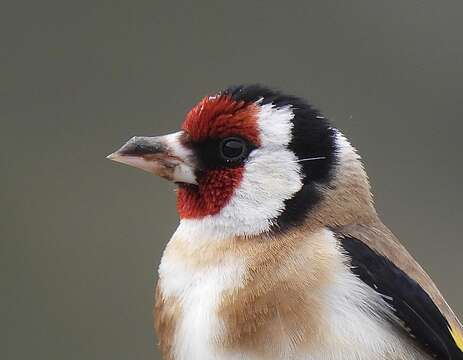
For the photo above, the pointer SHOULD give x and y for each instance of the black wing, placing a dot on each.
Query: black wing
(412, 305)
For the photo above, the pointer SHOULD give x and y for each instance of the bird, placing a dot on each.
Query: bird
(279, 252)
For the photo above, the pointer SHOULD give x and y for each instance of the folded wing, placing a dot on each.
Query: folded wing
(413, 306)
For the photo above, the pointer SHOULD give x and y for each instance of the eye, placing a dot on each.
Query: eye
(232, 149)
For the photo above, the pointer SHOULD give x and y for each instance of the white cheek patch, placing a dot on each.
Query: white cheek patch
(272, 175)
(270, 178)
(275, 125)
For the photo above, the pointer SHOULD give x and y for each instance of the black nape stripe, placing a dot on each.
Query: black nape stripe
(312, 136)
(412, 305)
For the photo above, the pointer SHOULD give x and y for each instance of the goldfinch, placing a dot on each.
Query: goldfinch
(279, 253)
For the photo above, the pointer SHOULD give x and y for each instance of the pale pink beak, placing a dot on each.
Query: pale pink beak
(164, 156)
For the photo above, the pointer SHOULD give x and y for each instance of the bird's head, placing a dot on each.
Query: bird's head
(247, 161)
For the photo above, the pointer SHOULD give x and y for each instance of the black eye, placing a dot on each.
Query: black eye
(232, 149)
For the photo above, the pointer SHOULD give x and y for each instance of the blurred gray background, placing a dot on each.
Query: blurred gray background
(81, 237)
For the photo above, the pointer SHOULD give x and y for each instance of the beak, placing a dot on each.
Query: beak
(164, 156)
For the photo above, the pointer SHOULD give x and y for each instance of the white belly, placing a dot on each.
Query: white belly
(199, 292)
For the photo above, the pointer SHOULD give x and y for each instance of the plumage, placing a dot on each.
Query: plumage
(280, 253)
(415, 309)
